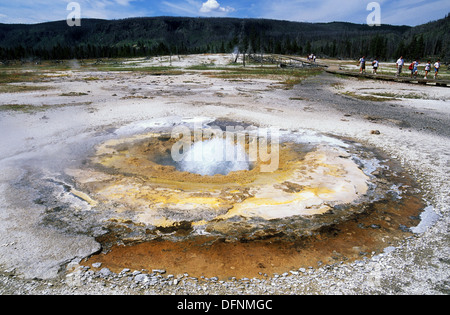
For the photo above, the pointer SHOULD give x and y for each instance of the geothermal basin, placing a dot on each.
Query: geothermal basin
(357, 202)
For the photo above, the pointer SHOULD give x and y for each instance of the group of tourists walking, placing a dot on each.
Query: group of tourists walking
(312, 57)
(413, 67)
(362, 67)
(400, 64)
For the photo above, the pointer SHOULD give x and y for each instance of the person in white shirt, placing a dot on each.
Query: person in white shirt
(375, 65)
(362, 65)
(427, 69)
(437, 65)
(400, 63)
(415, 68)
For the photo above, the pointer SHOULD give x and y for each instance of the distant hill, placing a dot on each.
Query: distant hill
(178, 35)
(432, 37)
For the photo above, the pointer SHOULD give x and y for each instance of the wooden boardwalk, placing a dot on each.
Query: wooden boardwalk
(284, 61)
(289, 60)
(392, 78)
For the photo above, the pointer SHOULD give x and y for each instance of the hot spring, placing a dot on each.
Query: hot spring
(287, 199)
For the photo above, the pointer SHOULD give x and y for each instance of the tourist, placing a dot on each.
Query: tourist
(427, 69)
(414, 69)
(362, 65)
(400, 63)
(437, 65)
(375, 65)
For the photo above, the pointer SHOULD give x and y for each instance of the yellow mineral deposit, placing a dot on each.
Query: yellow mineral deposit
(124, 173)
(84, 197)
(325, 178)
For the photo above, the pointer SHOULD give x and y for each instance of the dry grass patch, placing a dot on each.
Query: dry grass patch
(22, 88)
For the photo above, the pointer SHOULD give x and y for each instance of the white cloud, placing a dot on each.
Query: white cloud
(211, 6)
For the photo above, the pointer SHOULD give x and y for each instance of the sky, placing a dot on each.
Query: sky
(394, 12)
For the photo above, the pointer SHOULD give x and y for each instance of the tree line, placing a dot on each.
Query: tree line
(177, 36)
(377, 47)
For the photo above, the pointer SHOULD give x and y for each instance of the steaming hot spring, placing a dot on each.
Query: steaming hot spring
(224, 198)
(247, 183)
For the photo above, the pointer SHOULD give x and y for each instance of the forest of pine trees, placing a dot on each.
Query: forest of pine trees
(176, 36)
